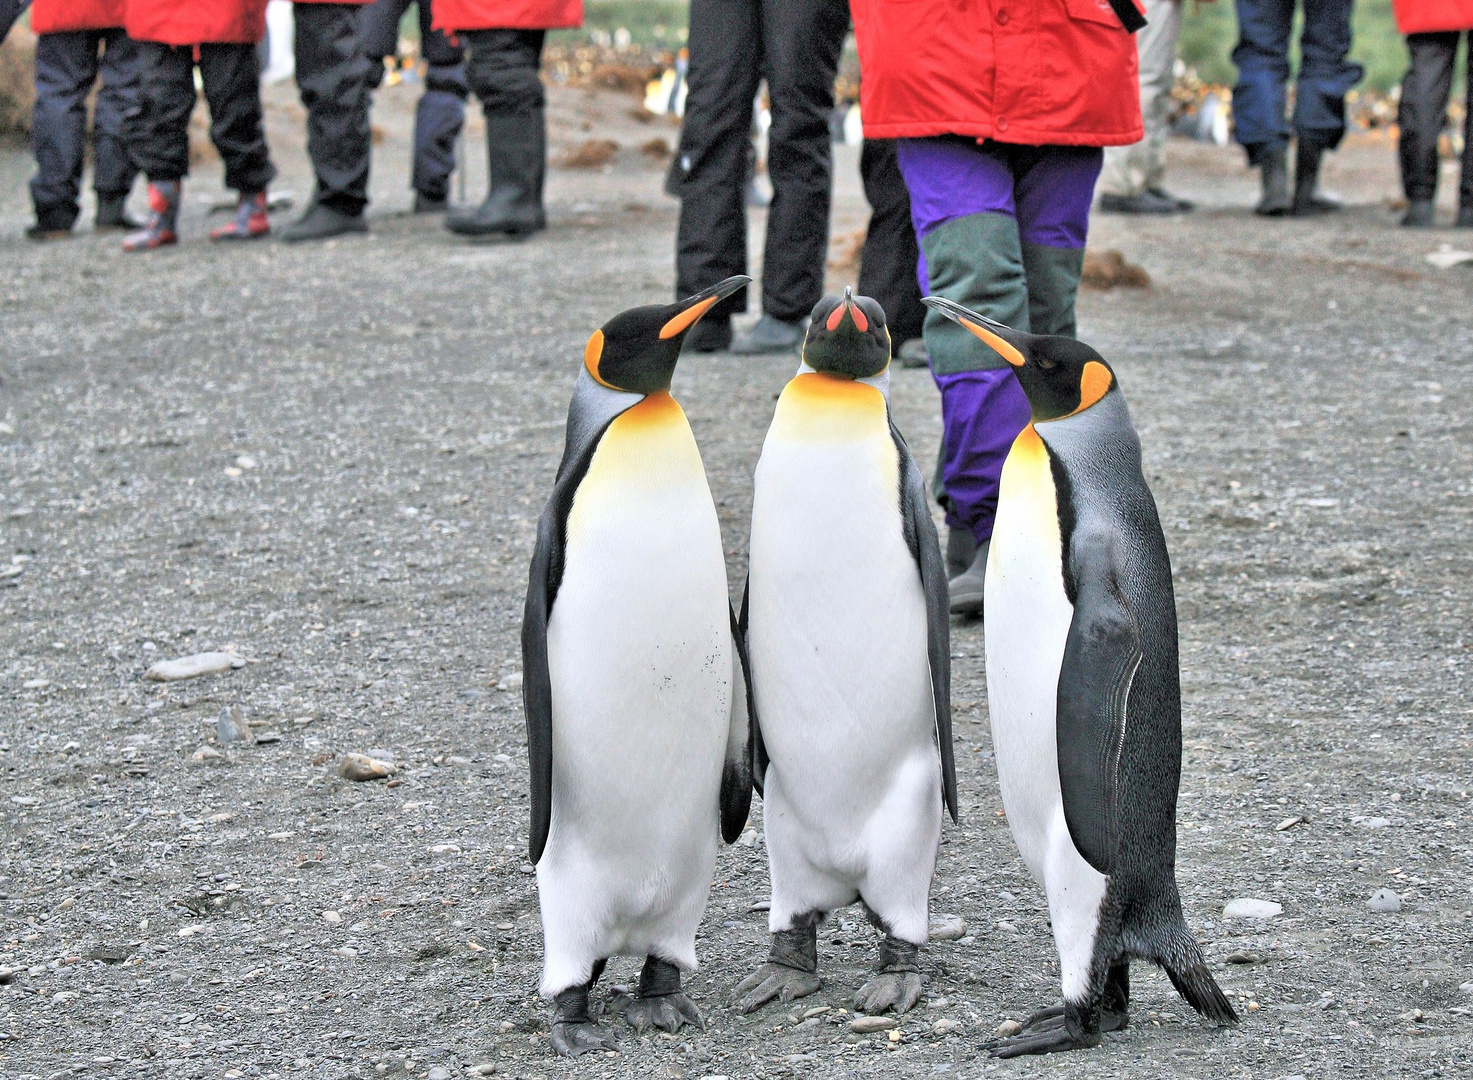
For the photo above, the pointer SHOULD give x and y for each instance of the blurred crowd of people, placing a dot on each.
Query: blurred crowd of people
(981, 170)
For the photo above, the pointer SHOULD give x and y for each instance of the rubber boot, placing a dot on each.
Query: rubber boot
(250, 221)
(961, 549)
(516, 151)
(1309, 200)
(967, 589)
(163, 218)
(112, 215)
(1275, 168)
(1420, 215)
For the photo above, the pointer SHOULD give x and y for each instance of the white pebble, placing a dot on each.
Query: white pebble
(1384, 901)
(190, 667)
(1247, 908)
(948, 927)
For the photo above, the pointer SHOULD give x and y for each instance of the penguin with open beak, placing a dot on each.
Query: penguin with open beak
(1083, 690)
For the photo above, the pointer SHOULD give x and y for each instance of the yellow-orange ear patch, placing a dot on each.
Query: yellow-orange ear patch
(1094, 383)
(592, 353)
(687, 318)
(997, 344)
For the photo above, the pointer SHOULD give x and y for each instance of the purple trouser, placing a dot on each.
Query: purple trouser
(1001, 230)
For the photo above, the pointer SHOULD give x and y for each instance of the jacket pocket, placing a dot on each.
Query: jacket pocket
(1095, 11)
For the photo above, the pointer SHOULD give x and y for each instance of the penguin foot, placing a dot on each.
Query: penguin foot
(898, 990)
(668, 1013)
(573, 1030)
(774, 982)
(572, 1038)
(1049, 1031)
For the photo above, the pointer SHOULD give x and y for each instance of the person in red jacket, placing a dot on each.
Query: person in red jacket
(504, 41)
(1001, 111)
(1432, 29)
(70, 34)
(333, 74)
(218, 36)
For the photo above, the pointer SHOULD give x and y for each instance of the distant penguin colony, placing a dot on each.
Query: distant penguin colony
(654, 710)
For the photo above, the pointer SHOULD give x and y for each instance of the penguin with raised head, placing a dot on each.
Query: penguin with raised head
(846, 624)
(635, 692)
(1084, 691)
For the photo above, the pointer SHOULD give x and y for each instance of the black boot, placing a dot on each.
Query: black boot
(711, 334)
(1419, 215)
(1309, 200)
(321, 222)
(516, 148)
(113, 216)
(1274, 165)
(961, 549)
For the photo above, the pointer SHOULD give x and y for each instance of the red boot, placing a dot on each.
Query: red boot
(249, 222)
(163, 218)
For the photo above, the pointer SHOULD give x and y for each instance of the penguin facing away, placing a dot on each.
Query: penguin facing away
(1084, 690)
(634, 686)
(846, 624)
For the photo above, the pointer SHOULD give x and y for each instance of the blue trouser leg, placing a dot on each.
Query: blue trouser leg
(1262, 57)
(114, 169)
(1325, 76)
(441, 112)
(66, 68)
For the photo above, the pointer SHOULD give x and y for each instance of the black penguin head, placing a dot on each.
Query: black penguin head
(1059, 375)
(847, 336)
(637, 349)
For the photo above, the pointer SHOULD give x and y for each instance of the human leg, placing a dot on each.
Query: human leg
(502, 70)
(887, 267)
(114, 167)
(66, 68)
(158, 137)
(231, 76)
(332, 78)
(711, 237)
(1421, 115)
(1259, 96)
(1132, 176)
(439, 116)
(1325, 76)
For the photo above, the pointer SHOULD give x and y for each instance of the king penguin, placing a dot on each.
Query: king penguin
(1084, 691)
(635, 692)
(845, 617)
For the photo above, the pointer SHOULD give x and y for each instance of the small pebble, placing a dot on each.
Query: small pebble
(747, 839)
(332, 918)
(438, 1072)
(363, 767)
(207, 753)
(228, 731)
(1008, 1028)
(1288, 823)
(190, 667)
(1247, 908)
(1243, 956)
(868, 1025)
(1384, 901)
(943, 1026)
(948, 927)
(511, 682)
(486, 1068)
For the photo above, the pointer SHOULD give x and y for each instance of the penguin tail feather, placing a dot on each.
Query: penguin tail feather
(1187, 970)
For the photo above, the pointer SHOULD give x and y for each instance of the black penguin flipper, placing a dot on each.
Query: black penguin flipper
(736, 773)
(1101, 655)
(757, 749)
(920, 537)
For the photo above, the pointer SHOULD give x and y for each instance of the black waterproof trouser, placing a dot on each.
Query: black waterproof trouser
(887, 269)
(441, 111)
(159, 133)
(332, 77)
(67, 66)
(1423, 114)
(734, 45)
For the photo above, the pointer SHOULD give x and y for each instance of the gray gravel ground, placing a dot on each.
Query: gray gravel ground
(331, 460)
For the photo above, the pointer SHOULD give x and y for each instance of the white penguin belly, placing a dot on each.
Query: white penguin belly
(1027, 616)
(641, 662)
(838, 647)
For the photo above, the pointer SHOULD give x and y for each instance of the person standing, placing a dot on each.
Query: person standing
(70, 36)
(219, 37)
(503, 40)
(1000, 158)
(1132, 178)
(332, 78)
(887, 264)
(441, 111)
(734, 45)
(1432, 29)
(1260, 96)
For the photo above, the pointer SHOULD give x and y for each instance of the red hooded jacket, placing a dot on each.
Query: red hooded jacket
(59, 16)
(1029, 72)
(453, 15)
(1430, 16)
(197, 22)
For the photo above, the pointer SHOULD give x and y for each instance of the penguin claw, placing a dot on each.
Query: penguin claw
(572, 1038)
(669, 1012)
(1050, 1039)
(898, 990)
(774, 981)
